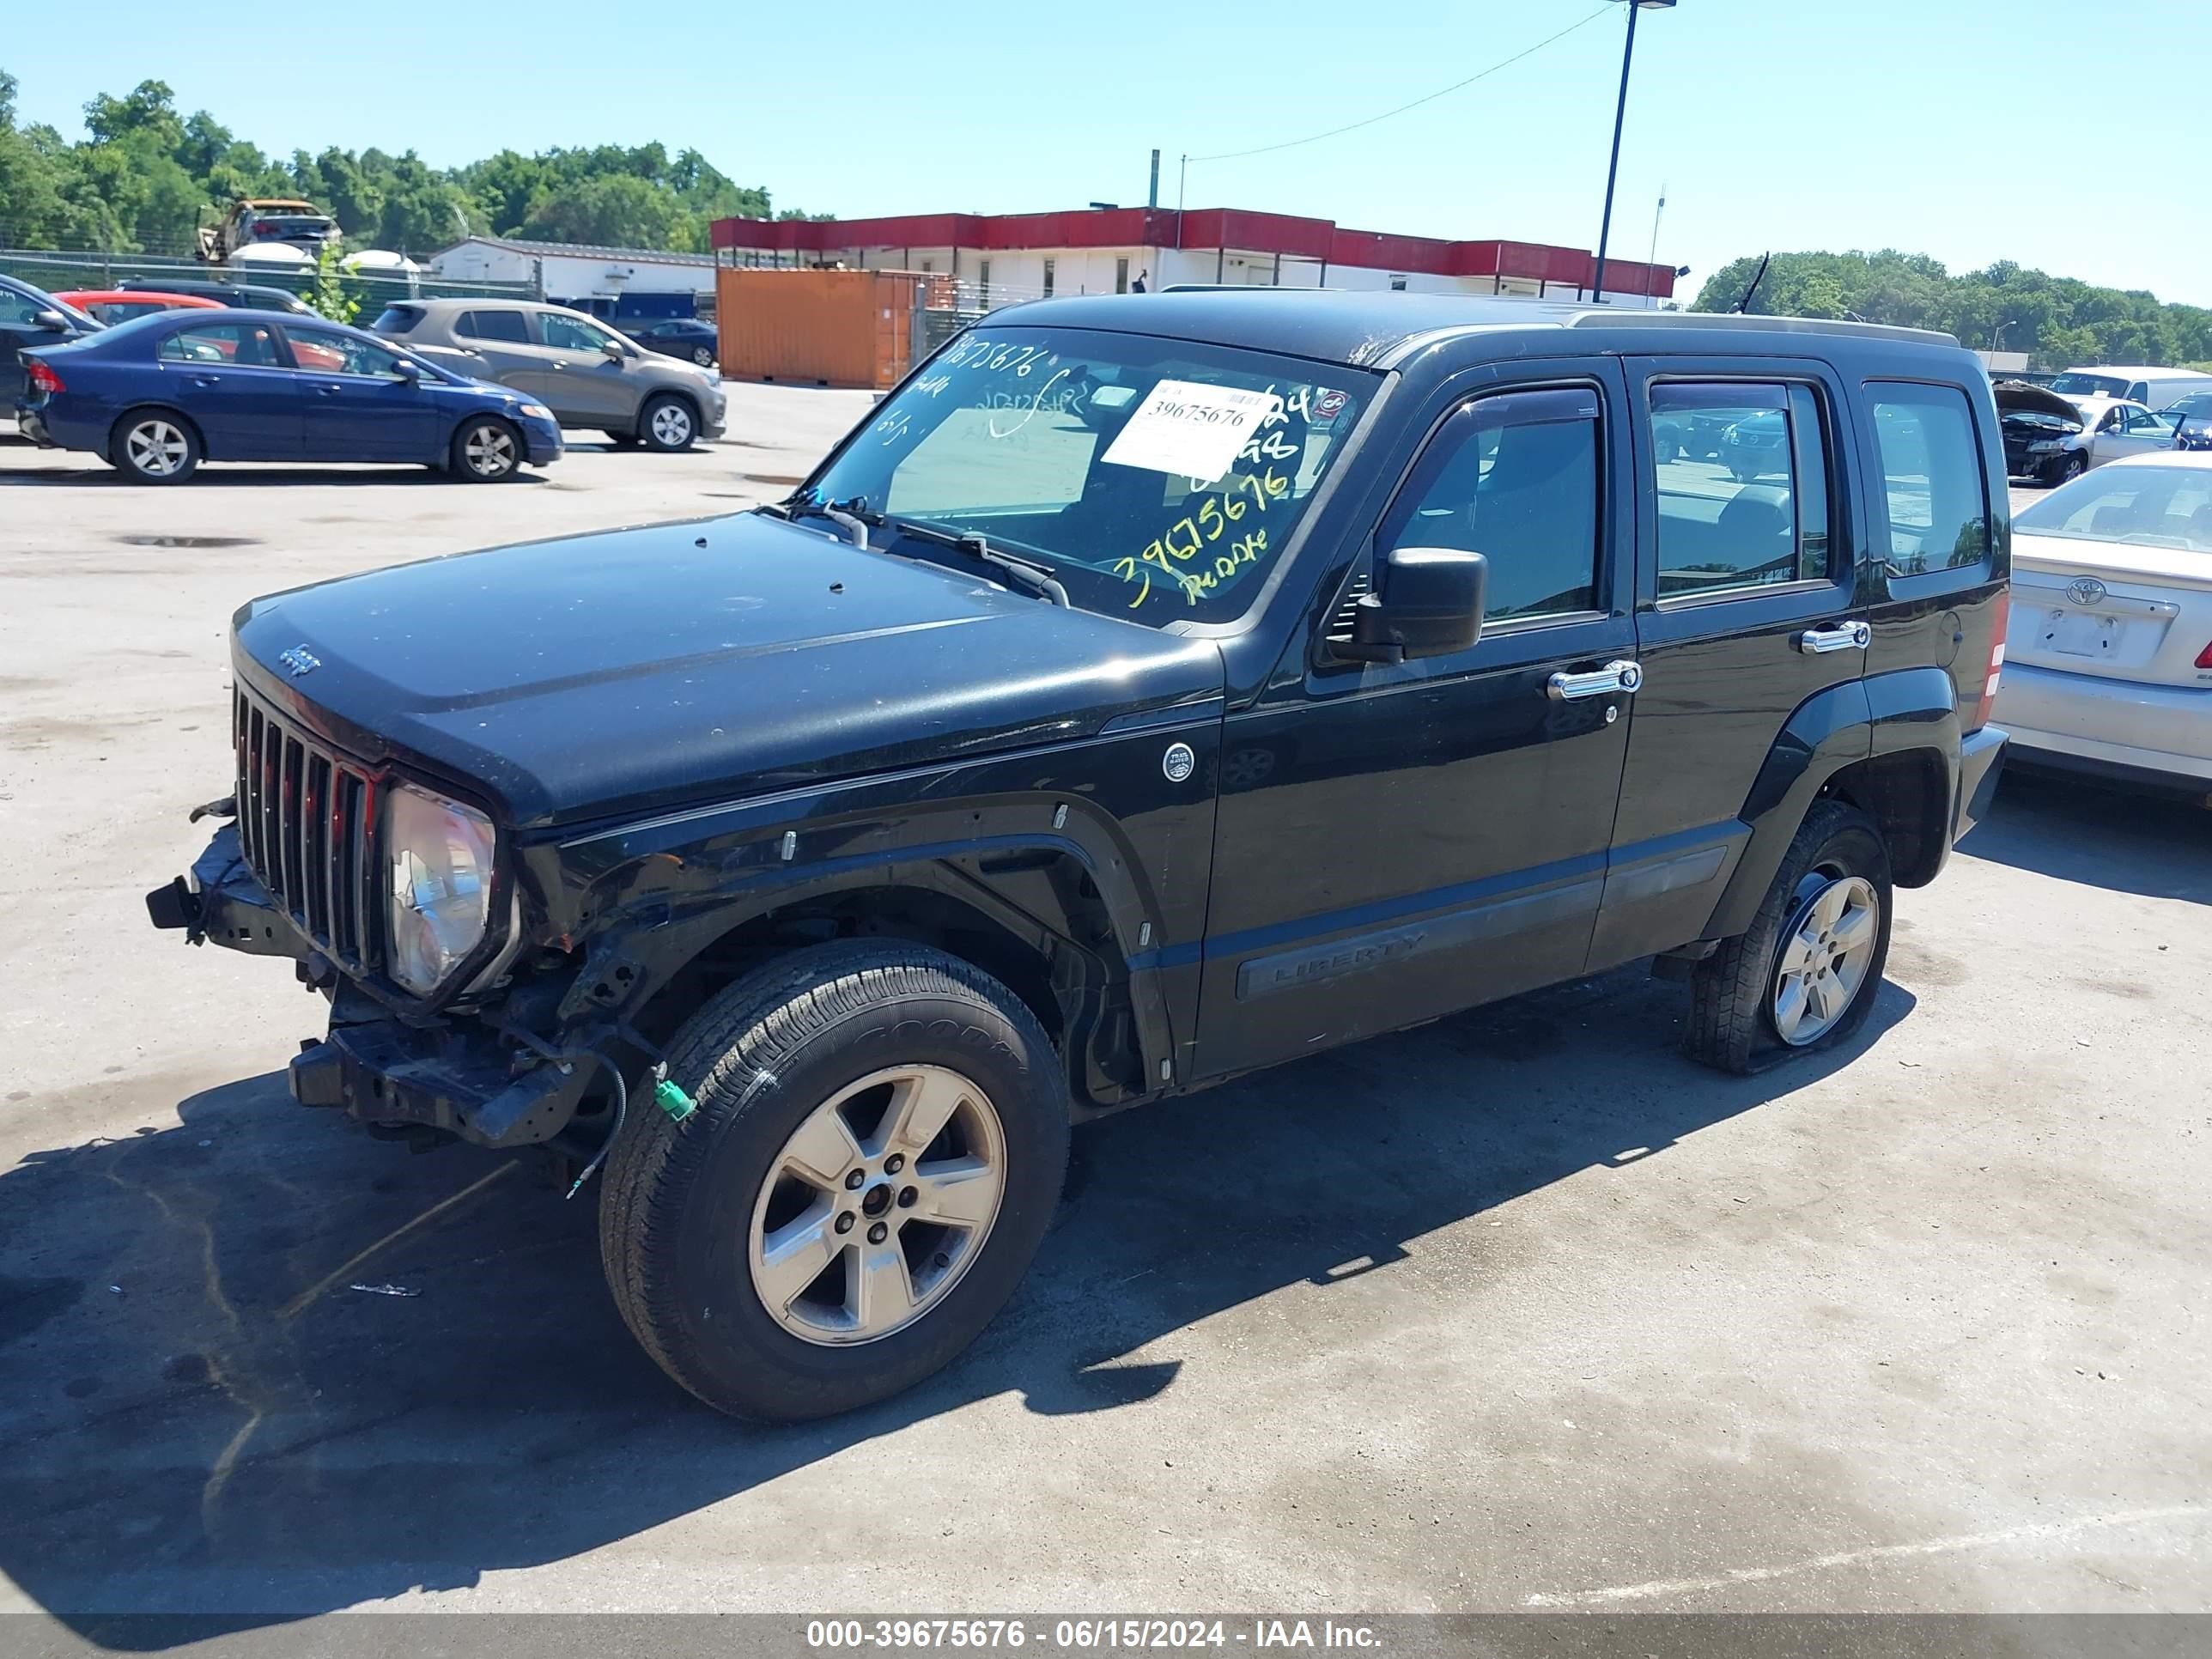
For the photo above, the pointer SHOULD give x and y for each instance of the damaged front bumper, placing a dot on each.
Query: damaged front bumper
(455, 1074)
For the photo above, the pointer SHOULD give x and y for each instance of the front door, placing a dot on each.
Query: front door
(355, 404)
(582, 384)
(1744, 608)
(1397, 842)
(231, 378)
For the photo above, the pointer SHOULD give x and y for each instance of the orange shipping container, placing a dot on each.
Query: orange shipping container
(838, 328)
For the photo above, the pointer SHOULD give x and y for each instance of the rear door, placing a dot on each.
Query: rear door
(1745, 607)
(357, 406)
(503, 348)
(233, 379)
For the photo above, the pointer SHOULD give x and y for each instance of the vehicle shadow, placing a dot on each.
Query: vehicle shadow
(2126, 840)
(261, 1367)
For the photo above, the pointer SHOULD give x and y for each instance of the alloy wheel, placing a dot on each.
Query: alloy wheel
(1826, 950)
(702, 356)
(671, 425)
(489, 451)
(157, 448)
(877, 1206)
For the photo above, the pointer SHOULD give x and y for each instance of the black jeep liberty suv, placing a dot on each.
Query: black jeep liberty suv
(1150, 689)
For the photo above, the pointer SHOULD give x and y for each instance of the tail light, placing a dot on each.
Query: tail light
(43, 378)
(2204, 657)
(2000, 618)
(264, 228)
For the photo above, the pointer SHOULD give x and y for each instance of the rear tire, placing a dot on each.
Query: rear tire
(668, 423)
(1743, 1012)
(702, 356)
(711, 1228)
(486, 450)
(154, 446)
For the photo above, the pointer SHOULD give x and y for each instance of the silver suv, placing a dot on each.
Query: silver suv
(584, 372)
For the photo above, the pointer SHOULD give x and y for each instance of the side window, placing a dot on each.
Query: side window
(2138, 394)
(1743, 469)
(507, 325)
(570, 333)
(323, 351)
(1931, 465)
(2142, 423)
(1516, 478)
(19, 307)
(240, 345)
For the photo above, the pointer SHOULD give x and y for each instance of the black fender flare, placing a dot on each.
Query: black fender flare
(1862, 719)
(657, 894)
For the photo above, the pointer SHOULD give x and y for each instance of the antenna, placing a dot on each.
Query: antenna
(1757, 277)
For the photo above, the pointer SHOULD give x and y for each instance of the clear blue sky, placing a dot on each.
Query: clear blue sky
(1970, 130)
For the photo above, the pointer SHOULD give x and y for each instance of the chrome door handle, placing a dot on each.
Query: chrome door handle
(1843, 637)
(1621, 675)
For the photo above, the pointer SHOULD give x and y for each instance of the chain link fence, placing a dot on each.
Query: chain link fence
(59, 271)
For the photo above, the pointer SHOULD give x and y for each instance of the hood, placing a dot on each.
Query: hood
(643, 669)
(2020, 397)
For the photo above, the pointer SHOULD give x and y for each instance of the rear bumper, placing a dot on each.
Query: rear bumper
(2087, 723)
(1981, 761)
(28, 424)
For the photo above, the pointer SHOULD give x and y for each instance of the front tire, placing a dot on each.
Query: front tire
(702, 356)
(668, 423)
(486, 450)
(1806, 972)
(880, 1144)
(154, 446)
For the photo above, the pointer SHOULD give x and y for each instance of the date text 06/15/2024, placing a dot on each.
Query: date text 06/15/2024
(1087, 1635)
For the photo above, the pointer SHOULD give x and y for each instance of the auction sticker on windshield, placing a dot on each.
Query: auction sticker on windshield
(1194, 430)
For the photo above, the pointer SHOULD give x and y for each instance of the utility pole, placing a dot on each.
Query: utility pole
(1613, 168)
(1152, 196)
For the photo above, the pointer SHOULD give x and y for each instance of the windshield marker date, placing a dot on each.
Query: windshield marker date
(1088, 1634)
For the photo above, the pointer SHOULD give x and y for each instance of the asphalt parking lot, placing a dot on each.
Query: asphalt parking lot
(1519, 1310)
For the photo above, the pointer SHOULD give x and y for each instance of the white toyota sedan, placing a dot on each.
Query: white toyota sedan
(2108, 660)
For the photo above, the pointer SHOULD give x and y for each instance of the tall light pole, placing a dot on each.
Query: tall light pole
(1649, 298)
(1619, 113)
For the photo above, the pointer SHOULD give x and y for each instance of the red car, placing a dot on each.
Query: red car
(113, 305)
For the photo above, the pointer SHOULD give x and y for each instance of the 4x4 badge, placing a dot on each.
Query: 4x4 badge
(300, 660)
(1178, 763)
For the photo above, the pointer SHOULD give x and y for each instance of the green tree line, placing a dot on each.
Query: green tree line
(2057, 320)
(144, 177)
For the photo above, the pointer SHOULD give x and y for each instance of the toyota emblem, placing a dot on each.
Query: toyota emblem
(2085, 590)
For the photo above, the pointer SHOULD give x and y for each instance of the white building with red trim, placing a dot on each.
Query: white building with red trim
(996, 258)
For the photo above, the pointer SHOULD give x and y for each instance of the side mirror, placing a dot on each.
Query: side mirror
(52, 321)
(408, 371)
(1430, 604)
(616, 351)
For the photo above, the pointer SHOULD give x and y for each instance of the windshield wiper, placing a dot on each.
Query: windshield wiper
(851, 517)
(857, 518)
(1030, 578)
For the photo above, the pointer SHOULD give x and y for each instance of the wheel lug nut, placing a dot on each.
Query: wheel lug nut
(855, 1179)
(907, 1197)
(845, 1221)
(894, 1163)
(879, 1233)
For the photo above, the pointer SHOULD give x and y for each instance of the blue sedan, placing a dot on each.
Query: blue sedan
(157, 396)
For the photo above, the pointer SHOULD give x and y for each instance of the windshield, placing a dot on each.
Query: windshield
(2074, 384)
(1158, 479)
(2149, 506)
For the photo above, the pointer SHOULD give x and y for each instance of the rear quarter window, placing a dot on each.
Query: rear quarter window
(1934, 492)
(398, 320)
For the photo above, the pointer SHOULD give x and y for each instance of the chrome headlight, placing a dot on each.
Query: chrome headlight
(439, 854)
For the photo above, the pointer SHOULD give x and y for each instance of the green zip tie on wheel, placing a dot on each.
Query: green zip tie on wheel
(669, 1095)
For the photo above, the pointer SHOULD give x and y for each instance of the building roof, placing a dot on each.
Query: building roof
(1376, 328)
(642, 256)
(1232, 228)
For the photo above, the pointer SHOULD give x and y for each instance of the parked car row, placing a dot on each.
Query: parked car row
(156, 381)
